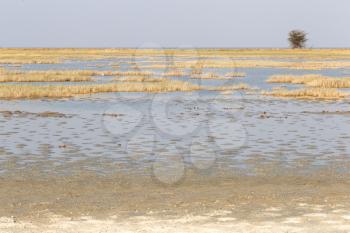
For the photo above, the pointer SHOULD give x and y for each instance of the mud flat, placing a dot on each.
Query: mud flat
(122, 202)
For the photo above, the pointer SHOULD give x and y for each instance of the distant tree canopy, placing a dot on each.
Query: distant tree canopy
(297, 39)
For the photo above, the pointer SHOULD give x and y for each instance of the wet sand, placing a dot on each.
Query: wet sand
(222, 203)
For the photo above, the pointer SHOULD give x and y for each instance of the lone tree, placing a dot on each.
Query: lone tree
(297, 39)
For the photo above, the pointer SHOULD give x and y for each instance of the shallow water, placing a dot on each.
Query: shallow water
(130, 153)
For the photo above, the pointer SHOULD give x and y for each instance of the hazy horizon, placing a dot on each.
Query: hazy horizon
(172, 24)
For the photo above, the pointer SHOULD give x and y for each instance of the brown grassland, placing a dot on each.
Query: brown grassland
(52, 56)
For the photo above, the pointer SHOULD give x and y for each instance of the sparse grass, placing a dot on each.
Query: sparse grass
(217, 76)
(224, 63)
(308, 93)
(208, 76)
(175, 73)
(330, 83)
(232, 87)
(132, 73)
(53, 56)
(294, 79)
(46, 76)
(236, 74)
(312, 80)
(34, 92)
(139, 79)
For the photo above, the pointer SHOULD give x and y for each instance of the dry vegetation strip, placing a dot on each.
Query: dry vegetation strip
(225, 63)
(232, 87)
(52, 56)
(139, 79)
(312, 80)
(294, 79)
(308, 93)
(30, 92)
(51, 75)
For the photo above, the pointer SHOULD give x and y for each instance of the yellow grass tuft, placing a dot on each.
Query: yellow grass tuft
(176, 73)
(294, 79)
(312, 80)
(139, 79)
(46, 76)
(233, 87)
(34, 92)
(330, 83)
(308, 93)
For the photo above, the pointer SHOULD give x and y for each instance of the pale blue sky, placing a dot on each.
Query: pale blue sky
(172, 23)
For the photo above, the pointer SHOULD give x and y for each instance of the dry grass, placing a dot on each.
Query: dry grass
(139, 79)
(224, 63)
(33, 92)
(209, 76)
(294, 79)
(46, 76)
(176, 73)
(312, 80)
(236, 74)
(233, 87)
(308, 93)
(52, 56)
(330, 83)
(132, 73)
(217, 76)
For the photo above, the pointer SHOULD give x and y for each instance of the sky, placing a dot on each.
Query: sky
(172, 23)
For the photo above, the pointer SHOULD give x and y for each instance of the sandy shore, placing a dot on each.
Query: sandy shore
(116, 203)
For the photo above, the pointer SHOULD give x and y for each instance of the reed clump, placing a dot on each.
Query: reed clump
(295, 79)
(46, 76)
(308, 93)
(312, 80)
(34, 92)
(330, 83)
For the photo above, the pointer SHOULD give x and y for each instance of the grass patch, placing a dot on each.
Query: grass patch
(54, 56)
(330, 83)
(308, 93)
(139, 79)
(232, 87)
(132, 73)
(176, 73)
(34, 92)
(51, 75)
(294, 79)
(312, 80)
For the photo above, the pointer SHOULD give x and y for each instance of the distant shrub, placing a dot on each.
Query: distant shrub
(297, 39)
